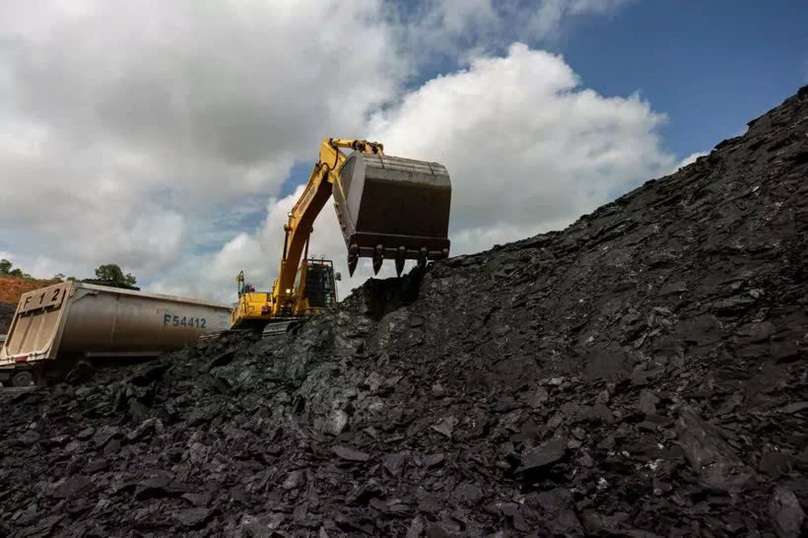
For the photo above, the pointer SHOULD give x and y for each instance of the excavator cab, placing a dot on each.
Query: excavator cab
(319, 280)
(393, 208)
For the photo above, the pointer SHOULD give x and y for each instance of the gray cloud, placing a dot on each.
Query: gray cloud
(127, 124)
(461, 29)
(527, 148)
(146, 132)
(525, 144)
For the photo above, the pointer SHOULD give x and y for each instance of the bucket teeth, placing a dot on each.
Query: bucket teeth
(378, 258)
(353, 259)
(422, 258)
(401, 257)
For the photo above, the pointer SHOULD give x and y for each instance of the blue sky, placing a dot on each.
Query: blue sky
(710, 65)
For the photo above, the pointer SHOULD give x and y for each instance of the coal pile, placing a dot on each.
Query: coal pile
(641, 373)
(6, 314)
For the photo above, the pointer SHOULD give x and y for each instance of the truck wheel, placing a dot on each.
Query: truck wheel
(23, 378)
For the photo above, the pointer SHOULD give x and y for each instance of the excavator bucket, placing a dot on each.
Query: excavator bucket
(393, 208)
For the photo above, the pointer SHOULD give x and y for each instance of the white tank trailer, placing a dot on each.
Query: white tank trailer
(57, 325)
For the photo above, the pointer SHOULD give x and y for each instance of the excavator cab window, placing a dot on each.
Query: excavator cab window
(320, 287)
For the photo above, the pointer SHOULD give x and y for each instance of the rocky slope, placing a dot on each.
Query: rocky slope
(6, 313)
(641, 373)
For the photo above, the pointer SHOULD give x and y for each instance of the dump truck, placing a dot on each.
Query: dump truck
(55, 326)
(388, 208)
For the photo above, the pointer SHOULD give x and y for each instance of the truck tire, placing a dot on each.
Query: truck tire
(22, 378)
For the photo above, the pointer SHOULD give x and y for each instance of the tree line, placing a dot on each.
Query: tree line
(108, 274)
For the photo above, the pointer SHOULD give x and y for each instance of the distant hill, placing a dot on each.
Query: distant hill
(11, 287)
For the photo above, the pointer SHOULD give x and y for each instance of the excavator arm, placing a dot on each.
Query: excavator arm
(299, 226)
(387, 207)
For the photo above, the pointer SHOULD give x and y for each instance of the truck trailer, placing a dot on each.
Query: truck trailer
(53, 327)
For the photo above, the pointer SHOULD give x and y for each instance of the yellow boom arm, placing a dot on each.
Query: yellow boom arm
(299, 227)
(387, 207)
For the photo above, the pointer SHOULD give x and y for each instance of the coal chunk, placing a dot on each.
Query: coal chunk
(70, 486)
(786, 512)
(544, 455)
(350, 454)
(194, 517)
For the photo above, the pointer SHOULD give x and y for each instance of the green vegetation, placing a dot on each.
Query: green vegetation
(6, 268)
(108, 274)
(111, 273)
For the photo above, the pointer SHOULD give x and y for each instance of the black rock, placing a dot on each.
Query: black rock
(105, 434)
(775, 463)
(97, 465)
(648, 402)
(445, 426)
(709, 455)
(86, 433)
(595, 413)
(222, 359)
(29, 438)
(468, 493)
(394, 463)
(786, 512)
(294, 480)
(443, 529)
(193, 517)
(434, 459)
(70, 487)
(150, 375)
(544, 455)
(350, 454)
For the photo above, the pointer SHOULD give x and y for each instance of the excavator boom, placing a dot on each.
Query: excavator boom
(388, 208)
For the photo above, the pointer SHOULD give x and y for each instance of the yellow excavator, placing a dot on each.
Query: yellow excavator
(387, 207)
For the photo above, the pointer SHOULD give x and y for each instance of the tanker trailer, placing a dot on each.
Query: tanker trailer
(55, 326)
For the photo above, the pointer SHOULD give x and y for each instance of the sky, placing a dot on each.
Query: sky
(173, 137)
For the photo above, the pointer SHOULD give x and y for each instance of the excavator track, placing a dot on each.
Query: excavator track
(274, 329)
(277, 329)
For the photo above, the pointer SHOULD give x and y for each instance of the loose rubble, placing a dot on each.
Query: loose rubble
(6, 314)
(641, 373)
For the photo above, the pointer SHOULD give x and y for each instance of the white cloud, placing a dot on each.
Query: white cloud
(125, 128)
(44, 266)
(456, 27)
(527, 148)
(549, 14)
(258, 255)
(690, 159)
(147, 133)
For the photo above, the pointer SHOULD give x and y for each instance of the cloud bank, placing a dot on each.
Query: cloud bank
(158, 135)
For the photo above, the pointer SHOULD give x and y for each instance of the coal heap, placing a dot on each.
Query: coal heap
(6, 314)
(641, 373)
